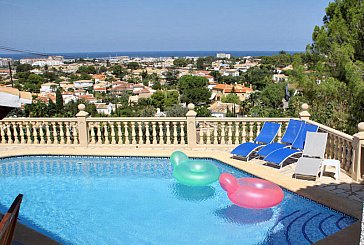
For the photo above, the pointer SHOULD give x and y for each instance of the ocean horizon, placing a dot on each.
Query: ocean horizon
(141, 54)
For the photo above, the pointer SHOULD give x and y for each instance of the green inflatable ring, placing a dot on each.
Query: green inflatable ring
(196, 173)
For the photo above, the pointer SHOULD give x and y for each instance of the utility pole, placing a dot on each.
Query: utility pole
(11, 75)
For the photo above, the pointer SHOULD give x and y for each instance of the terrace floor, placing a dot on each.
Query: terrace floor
(344, 195)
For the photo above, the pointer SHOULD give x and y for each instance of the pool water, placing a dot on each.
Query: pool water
(135, 200)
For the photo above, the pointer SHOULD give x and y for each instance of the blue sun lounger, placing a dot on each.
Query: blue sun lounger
(279, 156)
(292, 130)
(266, 136)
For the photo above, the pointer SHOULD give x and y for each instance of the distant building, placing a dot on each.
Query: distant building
(4, 62)
(83, 83)
(103, 108)
(280, 78)
(221, 90)
(219, 109)
(223, 56)
(48, 87)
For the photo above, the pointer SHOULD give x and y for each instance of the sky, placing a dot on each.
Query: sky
(158, 25)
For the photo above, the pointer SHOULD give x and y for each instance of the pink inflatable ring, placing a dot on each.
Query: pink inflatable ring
(251, 192)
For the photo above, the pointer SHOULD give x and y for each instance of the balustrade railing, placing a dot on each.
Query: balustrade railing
(39, 131)
(189, 131)
(137, 131)
(232, 131)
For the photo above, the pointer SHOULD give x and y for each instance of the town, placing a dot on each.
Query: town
(221, 86)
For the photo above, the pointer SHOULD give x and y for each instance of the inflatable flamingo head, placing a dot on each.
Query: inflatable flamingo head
(228, 182)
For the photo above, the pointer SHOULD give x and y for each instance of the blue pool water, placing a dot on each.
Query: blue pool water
(131, 200)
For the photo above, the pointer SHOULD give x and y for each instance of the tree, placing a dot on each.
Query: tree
(180, 62)
(133, 65)
(24, 68)
(59, 101)
(194, 89)
(119, 71)
(231, 98)
(216, 75)
(86, 70)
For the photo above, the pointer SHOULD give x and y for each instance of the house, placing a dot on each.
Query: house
(98, 77)
(103, 108)
(88, 97)
(48, 87)
(230, 72)
(68, 97)
(83, 83)
(241, 91)
(280, 78)
(219, 109)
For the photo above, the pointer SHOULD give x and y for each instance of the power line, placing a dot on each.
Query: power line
(25, 51)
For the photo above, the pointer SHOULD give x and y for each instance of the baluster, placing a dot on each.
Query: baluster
(99, 133)
(251, 131)
(2, 133)
(175, 134)
(340, 151)
(93, 135)
(333, 146)
(140, 133)
(120, 135)
(168, 125)
(154, 133)
(243, 133)
(106, 134)
(55, 133)
(230, 133)
(349, 155)
(113, 138)
(29, 140)
(68, 134)
(258, 127)
(344, 153)
(75, 133)
(133, 134)
(223, 133)
(202, 128)
(126, 133)
(15, 132)
(35, 133)
(42, 133)
(62, 134)
(279, 134)
(237, 133)
(161, 133)
(216, 127)
(208, 134)
(183, 140)
(147, 133)
(22, 134)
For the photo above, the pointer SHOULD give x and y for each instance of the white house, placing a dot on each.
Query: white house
(48, 87)
(103, 108)
(83, 83)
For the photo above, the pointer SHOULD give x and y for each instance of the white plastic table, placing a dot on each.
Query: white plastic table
(334, 163)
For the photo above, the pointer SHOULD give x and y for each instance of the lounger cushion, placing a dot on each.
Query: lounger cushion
(245, 149)
(278, 156)
(308, 166)
(266, 150)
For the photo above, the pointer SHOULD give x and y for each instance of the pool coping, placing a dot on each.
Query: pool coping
(306, 189)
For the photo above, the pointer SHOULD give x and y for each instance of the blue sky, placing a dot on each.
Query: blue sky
(142, 25)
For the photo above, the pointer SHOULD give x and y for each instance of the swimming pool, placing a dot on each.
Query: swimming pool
(135, 200)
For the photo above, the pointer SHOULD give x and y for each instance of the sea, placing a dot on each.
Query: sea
(143, 54)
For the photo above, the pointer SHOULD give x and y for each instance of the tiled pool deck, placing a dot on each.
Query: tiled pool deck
(344, 195)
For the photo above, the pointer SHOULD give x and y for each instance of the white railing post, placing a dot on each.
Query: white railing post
(191, 125)
(304, 114)
(358, 143)
(82, 125)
